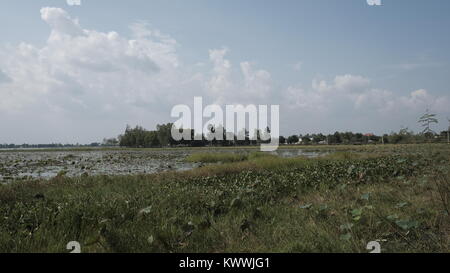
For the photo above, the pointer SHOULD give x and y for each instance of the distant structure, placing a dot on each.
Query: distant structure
(73, 2)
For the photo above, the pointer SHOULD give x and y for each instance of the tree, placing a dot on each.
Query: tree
(110, 142)
(125, 139)
(318, 138)
(165, 134)
(346, 137)
(426, 120)
(306, 139)
(293, 139)
(151, 139)
(337, 138)
(403, 136)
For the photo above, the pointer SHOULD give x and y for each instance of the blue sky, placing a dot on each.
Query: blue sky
(331, 65)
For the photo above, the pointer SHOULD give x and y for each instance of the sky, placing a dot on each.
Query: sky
(80, 73)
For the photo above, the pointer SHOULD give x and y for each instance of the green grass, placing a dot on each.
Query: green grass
(396, 194)
(224, 157)
(216, 157)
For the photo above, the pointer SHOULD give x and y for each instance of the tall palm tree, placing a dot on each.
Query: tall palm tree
(427, 119)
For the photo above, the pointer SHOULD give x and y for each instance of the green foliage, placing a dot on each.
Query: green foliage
(163, 133)
(139, 138)
(216, 157)
(292, 139)
(225, 157)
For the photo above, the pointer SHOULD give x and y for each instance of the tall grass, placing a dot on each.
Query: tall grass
(216, 157)
(224, 157)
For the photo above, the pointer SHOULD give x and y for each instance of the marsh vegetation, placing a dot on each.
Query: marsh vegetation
(337, 202)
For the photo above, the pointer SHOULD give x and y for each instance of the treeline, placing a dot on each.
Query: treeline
(404, 136)
(139, 137)
(49, 146)
(110, 142)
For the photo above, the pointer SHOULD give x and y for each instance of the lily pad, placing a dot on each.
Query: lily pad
(392, 217)
(356, 213)
(306, 206)
(401, 204)
(365, 196)
(346, 237)
(407, 224)
(346, 226)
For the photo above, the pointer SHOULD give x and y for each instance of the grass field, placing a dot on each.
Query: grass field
(396, 194)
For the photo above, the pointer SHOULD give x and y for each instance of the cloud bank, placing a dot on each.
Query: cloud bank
(83, 85)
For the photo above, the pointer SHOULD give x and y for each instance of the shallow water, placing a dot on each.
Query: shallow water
(48, 164)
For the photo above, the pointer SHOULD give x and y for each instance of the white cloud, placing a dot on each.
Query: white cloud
(258, 83)
(83, 85)
(421, 99)
(350, 101)
(80, 67)
(82, 77)
(61, 23)
(351, 83)
(220, 82)
(223, 87)
(356, 92)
